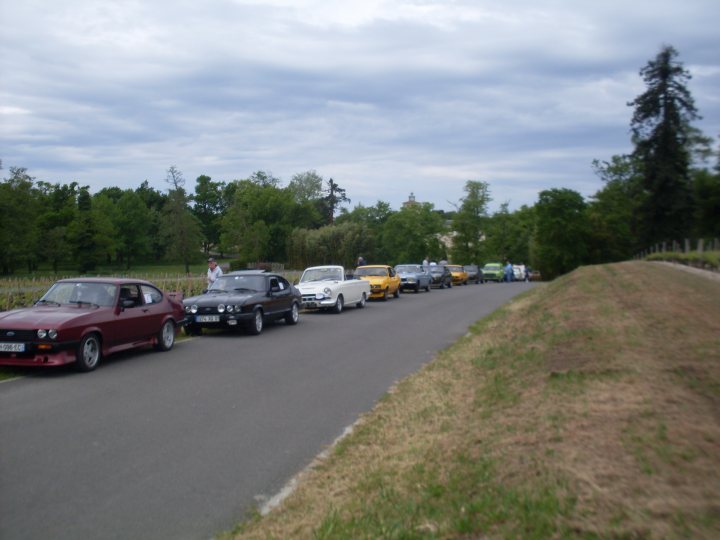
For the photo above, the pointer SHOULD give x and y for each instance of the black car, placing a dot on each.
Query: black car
(441, 276)
(474, 273)
(243, 299)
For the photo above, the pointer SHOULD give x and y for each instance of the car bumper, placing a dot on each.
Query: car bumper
(314, 303)
(57, 355)
(219, 320)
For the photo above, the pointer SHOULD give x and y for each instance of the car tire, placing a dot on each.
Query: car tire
(385, 295)
(166, 336)
(255, 326)
(396, 294)
(362, 302)
(293, 316)
(427, 288)
(339, 304)
(89, 353)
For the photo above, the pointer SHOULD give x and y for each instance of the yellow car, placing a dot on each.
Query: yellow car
(459, 274)
(383, 280)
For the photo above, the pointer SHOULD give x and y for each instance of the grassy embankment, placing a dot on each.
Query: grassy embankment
(587, 408)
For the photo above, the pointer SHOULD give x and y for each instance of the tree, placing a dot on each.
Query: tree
(561, 231)
(470, 223)
(613, 211)
(179, 228)
(82, 234)
(413, 233)
(335, 196)
(661, 133)
(19, 234)
(209, 208)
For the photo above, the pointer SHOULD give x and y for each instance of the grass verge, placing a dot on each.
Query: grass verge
(587, 408)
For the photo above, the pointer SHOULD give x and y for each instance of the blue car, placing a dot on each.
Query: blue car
(413, 277)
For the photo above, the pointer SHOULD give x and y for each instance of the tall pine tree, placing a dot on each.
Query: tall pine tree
(661, 130)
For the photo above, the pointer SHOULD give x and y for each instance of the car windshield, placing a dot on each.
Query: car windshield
(408, 268)
(437, 269)
(492, 267)
(455, 268)
(382, 272)
(321, 274)
(80, 292)
(230, 283)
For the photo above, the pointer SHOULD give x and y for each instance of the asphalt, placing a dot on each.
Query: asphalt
(180, 445)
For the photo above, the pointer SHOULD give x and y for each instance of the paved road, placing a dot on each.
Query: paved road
(178, 445)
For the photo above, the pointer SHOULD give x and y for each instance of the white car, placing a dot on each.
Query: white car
(328, 287)
(519, 272)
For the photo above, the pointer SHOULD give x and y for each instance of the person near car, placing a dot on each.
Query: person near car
(361, 261)
(509, 272)
(425, 262)
(214, 271)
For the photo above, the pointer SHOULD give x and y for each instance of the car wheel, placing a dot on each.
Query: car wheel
(363, 300)
(427, 288)
(396, 294)
(339, 304)
(292, 316)
(256, 324)
(88, 353)
(166, 337)
(385, 295)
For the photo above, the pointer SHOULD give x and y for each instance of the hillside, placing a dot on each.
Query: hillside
(589, 407)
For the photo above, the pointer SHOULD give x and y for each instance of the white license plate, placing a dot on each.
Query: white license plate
(207, 318)
(12, 347)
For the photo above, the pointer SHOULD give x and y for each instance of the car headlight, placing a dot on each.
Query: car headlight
(319, 296)
(52, 333)
(221, 308)
(230, 308)
(41, 333)
(327, 291)
(193, 308)
(411, 280)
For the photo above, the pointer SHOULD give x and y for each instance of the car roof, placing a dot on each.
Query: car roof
(250, 273)
(110, 280)
(375, 266)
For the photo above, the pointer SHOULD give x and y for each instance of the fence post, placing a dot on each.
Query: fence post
(687, 245)
(700, 246)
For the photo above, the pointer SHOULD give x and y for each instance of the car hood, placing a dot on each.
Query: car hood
(316, 286)
(219, 298)
(45, 316)
(376, 279)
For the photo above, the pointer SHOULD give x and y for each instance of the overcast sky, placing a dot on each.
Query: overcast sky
(387, 97)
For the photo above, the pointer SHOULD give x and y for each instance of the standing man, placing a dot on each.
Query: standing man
(361, 261)
(214, 271)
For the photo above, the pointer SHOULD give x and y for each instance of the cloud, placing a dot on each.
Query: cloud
(386, 97)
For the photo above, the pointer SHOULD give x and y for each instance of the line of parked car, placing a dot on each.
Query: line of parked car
(79, 321)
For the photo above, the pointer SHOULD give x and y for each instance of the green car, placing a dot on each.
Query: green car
(493, 272)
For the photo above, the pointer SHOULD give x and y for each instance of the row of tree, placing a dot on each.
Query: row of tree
(662, 191)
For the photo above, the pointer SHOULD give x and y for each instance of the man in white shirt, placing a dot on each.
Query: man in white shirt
(214, 271)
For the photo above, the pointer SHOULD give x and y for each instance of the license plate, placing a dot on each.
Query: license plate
(207, 318)
(12, 347)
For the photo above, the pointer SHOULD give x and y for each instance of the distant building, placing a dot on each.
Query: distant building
(411, 201)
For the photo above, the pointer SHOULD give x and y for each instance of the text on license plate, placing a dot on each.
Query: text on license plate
(12, 347)
(207, 318)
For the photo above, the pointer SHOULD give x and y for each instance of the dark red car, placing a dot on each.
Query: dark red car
(81, 320)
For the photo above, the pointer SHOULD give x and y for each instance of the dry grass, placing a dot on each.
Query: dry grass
(587, 408)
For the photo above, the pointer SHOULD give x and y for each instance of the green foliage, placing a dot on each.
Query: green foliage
(561, 233)
(411, 234)
(470, 224)
(661, 133)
